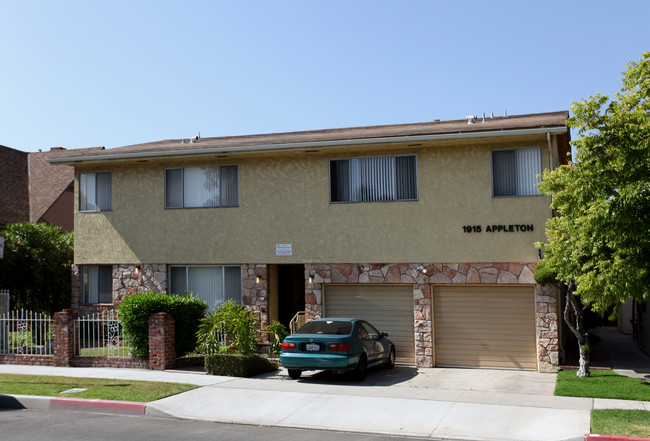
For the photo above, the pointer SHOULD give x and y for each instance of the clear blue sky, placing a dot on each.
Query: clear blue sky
(88, 73)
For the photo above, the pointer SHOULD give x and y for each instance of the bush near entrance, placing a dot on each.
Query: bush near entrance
(136, 309)
(235, 365)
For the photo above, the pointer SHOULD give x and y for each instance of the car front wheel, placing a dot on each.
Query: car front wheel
(295, 373)
(390, 363)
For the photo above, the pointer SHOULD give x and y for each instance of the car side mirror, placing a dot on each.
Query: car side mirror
(384, 334)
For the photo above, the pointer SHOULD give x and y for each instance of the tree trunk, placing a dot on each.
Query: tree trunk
(578, 330)
(584, 361)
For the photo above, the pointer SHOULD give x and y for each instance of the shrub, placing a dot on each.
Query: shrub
(544, 274)
(279, 333)
(234, 365)
(36, 267)
(136, 309)
(236, 323)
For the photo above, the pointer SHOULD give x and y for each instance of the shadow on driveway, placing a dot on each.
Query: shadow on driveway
(377, 376)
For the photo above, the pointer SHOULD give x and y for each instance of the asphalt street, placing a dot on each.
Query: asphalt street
(30, 425)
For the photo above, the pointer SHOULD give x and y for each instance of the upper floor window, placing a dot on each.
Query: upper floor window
(514, 171)
(96, 284)
(375, 179)
(213, 186)
(214, 284)
(95, 191)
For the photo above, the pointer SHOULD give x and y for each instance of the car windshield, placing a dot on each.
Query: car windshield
(337, 327)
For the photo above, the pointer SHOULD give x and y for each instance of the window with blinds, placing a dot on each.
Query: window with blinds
(95, 191)
(214, 284)
(514, 172)
(374, 179)
(192, 187)
(97, 284)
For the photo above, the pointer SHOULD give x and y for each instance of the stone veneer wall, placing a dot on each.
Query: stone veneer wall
(254, 293)
(132, 279)
(127, 280)
(464, 273)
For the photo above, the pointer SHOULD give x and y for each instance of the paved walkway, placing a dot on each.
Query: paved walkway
(476, 404)
(623, 354)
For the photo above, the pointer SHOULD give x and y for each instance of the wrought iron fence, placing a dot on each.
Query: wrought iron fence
(26, 333)
(5, 303)
(100, 335)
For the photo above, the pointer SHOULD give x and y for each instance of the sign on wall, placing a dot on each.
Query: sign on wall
(513, 228)
(283, 249)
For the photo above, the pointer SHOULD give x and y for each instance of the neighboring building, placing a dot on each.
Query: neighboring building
(427, 230)
(32, 190)
(14, 190)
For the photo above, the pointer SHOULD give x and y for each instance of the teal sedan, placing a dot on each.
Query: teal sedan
(337, 344)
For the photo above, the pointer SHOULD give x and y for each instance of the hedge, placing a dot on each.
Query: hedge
(234, 365)
(136, 309)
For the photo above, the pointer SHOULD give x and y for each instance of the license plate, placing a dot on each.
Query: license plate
(312, 347)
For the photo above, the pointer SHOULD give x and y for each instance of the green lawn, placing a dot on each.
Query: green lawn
(609, 384)
(122, 390)
(115, 351)
(602, 384)
(621, 422)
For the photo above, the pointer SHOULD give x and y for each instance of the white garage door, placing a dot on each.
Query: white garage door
(389, 308)
(485, 326)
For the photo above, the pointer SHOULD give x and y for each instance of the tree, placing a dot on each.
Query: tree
(36, 267)
(599, 245)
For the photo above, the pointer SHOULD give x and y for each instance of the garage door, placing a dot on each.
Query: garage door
(388, 308)
(485, 326)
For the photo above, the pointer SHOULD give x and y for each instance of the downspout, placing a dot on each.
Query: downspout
(550, 151)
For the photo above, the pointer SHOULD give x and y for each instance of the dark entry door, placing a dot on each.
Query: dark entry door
(291, 292)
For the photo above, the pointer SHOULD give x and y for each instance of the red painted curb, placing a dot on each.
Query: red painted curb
(121, 407)
(613, 438)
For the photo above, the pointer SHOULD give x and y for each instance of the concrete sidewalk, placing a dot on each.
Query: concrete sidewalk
(436, 403)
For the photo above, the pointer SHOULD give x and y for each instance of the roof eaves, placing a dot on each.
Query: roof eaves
(259, 148)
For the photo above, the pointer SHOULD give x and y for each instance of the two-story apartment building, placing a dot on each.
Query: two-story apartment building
(427, 230)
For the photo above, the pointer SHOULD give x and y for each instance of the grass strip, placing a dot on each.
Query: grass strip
(602, 384)
(619, 422)
(98, 388)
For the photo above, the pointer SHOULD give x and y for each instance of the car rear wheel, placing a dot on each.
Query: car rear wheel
(390, 363)
(295, 373)
(361, 369)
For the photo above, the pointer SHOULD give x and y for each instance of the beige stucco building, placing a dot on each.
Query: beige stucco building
(427, 230)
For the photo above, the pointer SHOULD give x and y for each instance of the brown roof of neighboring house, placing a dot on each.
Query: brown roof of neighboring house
(14, 197)
(275, 141)
(47, 182)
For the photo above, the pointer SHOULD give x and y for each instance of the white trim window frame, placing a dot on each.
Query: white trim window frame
(213, 283)
(96, 284)
(95, 191)
(202, 186)
(515, 171)
(373, 179)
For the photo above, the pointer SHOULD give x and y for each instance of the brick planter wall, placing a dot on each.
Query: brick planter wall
(162, 354)
(64, 337)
